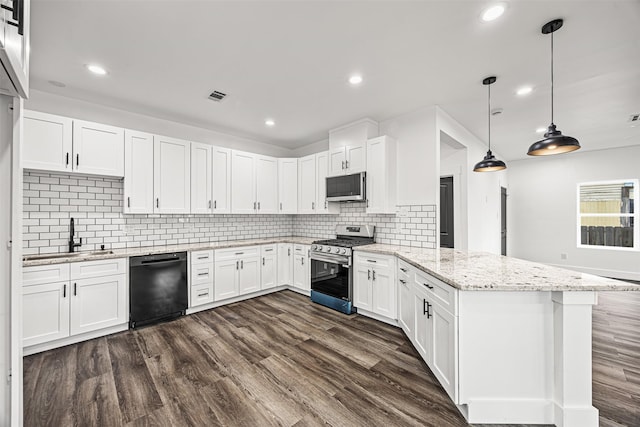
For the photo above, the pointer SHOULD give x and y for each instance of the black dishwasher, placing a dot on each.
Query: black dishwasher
(157, 288)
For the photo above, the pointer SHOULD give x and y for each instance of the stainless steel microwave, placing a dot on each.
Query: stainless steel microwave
(347, 188)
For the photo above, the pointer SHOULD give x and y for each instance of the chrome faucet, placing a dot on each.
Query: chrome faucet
(72, 244)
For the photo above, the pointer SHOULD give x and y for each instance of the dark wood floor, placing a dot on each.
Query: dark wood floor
(282, 360)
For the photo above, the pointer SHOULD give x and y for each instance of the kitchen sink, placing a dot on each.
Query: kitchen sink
(65, 255)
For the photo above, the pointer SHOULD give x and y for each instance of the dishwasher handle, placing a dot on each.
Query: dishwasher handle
(159, 259)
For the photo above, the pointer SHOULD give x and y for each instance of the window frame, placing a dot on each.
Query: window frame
(635, 215)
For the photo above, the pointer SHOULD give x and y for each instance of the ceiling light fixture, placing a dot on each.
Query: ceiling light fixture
(554, 142)
(489, 163)
(356, 79)
(96, 69)
(269, 123)
(524, 90)
(493, 12)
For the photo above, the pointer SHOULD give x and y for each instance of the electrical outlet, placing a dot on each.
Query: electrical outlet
(563, 256)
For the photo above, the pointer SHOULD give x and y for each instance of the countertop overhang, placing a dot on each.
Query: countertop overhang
(481, 271)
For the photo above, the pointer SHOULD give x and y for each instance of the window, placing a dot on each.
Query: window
(607, 216)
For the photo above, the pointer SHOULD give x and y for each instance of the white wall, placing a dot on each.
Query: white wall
(483, 188)
(453, 162)
(418, 179)
(542, 209)
(78, 109)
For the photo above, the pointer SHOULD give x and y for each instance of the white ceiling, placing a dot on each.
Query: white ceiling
(290, 61)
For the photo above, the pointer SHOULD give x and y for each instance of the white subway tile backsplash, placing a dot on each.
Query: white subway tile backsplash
(50, 200)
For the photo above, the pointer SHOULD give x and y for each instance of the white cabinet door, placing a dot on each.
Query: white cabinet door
(444, 348)
(201, 181)
(268, 269)
(47, 142)
(138, 172)
(16, 52)
(356, 156)
(243, 182)
(322, 170)
(226, 279)
(45, 313)
(406, 311)
(337, 161)
(384, 292)
(422, 330)
(288, 186)
(267, 184)
(299, 272)
(362, 288)
(285, 264)
(98, 149)
(172, 175)
(98, 303)
(307, 184)
(249, 276)
(376, 181)
(221, 180)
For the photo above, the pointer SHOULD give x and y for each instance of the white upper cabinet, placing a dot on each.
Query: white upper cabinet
(267, 184)
(307, 184)
(243, 182)
(288, 186)
(348, 146)
(47, 142)
(138, 172)
(381, 175)
(221, 180)
(60, 144)
(322, 171)
(98, 149)
(14, 49)
(201, 180)
(172, 175)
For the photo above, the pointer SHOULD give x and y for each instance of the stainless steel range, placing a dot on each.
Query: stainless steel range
(331, 262)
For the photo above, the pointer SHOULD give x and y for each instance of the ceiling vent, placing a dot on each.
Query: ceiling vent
(217, 96)
(634, 117)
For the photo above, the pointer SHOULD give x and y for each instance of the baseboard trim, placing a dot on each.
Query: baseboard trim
(383, 319)
(584, 416)
(508, 411)
(239, 298)
(37, 348)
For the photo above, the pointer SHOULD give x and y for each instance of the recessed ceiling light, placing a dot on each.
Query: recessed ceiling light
(524, 90)
(96, 69)
(493, 12)
(356, 79)
(541, 130)
(269, 122)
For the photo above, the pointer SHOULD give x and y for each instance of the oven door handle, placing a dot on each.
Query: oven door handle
(343, 262)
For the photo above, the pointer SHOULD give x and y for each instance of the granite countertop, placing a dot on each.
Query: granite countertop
(478, 271)
(150, 250)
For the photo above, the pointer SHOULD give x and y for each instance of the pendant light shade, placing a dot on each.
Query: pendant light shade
(554, 141)
(489, 163)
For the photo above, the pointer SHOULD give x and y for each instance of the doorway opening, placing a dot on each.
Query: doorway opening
(503, 220)
(446, 213)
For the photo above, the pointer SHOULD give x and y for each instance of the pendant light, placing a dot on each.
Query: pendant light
(554, 141)
(489, 163)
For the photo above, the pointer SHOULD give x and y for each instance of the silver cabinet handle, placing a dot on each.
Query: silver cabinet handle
(77, 160)
(258, 205)
(428, 286)
(204, 257)
(237, 265)
(75, 289)
(343, 165)
(239, 253)
(404, 282)
(313, 205)
(64, 291)
(203, 295)
(280, 205)
(241, 264)
(374, 274)
(128, 202)
(371, 260)
(203, 274)
(404, 270)
(67, 161)
(302, 260)
(209, 204)
(347, 164)
(262, 260)
(215, 204)
(325, 204)
(368, 274)
(288, 251)
(157, 202)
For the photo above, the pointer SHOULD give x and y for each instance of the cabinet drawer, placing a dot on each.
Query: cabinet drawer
(43, 274)
(301, 249)
(441, 293)
(107, 267)
(268, 250)
(201, 274)
(373, 260)
(239, 252)
(202, 294)
(200, 257)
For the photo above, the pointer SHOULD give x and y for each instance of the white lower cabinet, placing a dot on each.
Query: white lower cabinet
(98, 302)
(374, 287)
(422, 329)
(285, 264)
(405, 299)
(268, 268)
(84, 297)
(237, 272)
(301, 268)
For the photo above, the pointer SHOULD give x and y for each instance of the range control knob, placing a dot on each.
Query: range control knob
(328, 249)
(344, 251)
(314, 247)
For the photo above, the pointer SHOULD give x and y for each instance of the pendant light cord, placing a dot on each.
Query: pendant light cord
(489, 114)
(551, 78)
